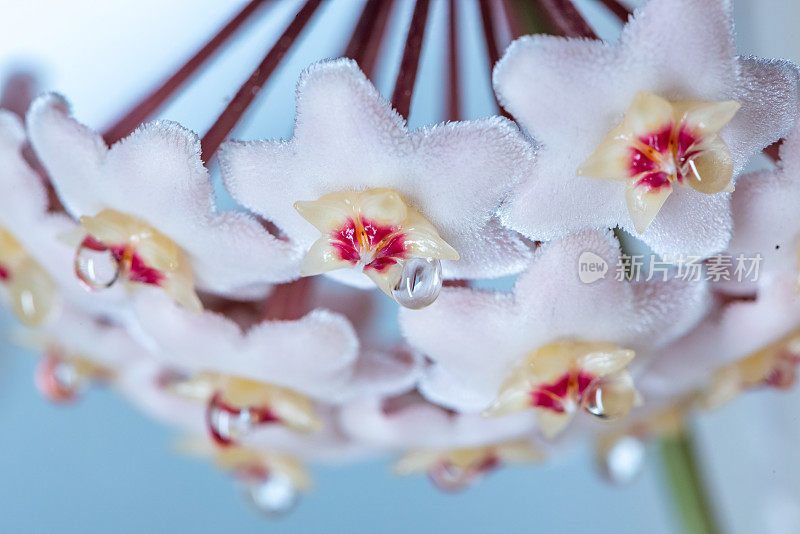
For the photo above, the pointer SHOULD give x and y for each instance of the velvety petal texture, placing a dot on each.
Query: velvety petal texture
(156, 176)
(477, 339)
(765, 207)
(570, 93)
(730, 333)
(348, 138)
(420, 425)
(318, 355)
(25, 216)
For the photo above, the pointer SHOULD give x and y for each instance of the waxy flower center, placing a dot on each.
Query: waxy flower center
(665, 157)
(31, 292)
(369, 245)
(559, 377)
(661, 143)
(562, 395)
(120, 247)
(236, 405)
(376, 232)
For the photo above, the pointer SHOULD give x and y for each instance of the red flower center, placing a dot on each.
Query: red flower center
(5, 273)
(662, 157)
(371, 245)
(554, 396)
(131, 265)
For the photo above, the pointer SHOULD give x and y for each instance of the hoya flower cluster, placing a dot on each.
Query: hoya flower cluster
(256, 330)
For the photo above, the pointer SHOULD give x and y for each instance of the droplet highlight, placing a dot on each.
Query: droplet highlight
(419, 284)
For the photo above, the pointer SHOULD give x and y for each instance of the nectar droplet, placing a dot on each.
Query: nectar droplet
(227, 424)
(95, 265)
(419, 284)
(610, 398)
(273, 496)
(451, 478)
(622, 460)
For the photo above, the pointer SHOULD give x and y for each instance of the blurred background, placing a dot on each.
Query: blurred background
(99, 465)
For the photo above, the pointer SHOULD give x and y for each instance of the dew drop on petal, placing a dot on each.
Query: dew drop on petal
(96, 267)
(623, 460)
(227, 424)
(609, 398)
(419, 284)
(273, 496)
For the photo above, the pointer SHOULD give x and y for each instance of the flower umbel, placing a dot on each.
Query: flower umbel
(660, 144)
(374, 231)
(562, 376)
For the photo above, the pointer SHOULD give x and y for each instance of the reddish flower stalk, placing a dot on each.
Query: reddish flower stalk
(407, 76)
(18, 92)
(370, 54)
(152, 102)
(490, 36)
(288, 301)
(360, 40)
(453, 71)
(513, 20)
(619, 10)
(232, 114)
(566, 19)
(773, 151)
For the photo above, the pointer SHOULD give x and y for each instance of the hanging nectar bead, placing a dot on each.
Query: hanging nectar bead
(451, 478)
(419, 284)
(96, 266)
(610, 398)
(273, 496)
(227, 424)
(622, 460)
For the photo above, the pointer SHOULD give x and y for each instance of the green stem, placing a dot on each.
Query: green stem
(689, 493)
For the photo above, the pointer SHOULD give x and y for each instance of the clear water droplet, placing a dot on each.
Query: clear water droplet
(622, 460)
(33, 296)
(451, 478)
(609, 398)
(227, 424)
(58, 380)
(273, 496)
(95, 265)
(419, 284)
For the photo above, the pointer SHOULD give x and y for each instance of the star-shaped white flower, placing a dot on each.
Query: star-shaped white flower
(371, 194)
(454, 450)
(642, 115)
(276, 370)
(557, 342)
(765, 331)
(765, 222)
(36, 267)
(149, 201)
